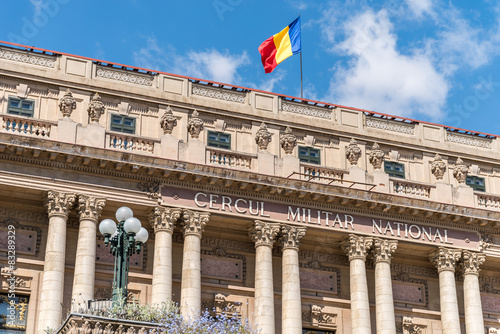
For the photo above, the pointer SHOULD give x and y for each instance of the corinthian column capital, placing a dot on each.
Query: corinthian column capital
(164, 219)
(90, 207)
(356, 247)
(291, 236)
(472, 262)
(263, 233)
(194, 222)
(445, 259)
(383, 249)
(58, 204)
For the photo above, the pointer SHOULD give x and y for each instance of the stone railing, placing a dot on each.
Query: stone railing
(79, 323)
(487, 201)
(227, 158)
(410, 188)
(26, 125)
(136, 144)
(321, 173)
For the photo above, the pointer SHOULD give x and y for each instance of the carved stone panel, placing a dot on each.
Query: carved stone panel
(316, 278)
(220, 265)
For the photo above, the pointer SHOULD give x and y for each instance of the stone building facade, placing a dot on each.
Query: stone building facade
(302, 216)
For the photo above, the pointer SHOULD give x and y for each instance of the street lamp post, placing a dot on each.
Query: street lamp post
(125, 239)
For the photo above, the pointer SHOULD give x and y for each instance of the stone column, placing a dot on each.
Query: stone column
(89, 209)
(193, 225)
(291, 304)
(51, 294)
(474, 323)
(444, 259)
(263, 235)
(163, 220)
(356, 248)
(382, 253)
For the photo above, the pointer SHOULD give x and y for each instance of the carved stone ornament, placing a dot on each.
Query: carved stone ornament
(222, 306)
(320, 317)
(445, 259)
(90, 207)
(471, 262)
(353, 152)
(356, 247)
(58, 204)
(376, 156)
(96, 108)
(67, 104)
(383, 249)
(460, 171)
(291, 236)
(195, 125)
(288, 141)
(408, 327)
(194, 222)
(263, 137)
(263, 233)
(168, 121)
(438, 167)
(152, 188)
(164, 219)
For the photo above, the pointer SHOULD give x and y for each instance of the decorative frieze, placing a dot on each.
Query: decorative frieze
(195, 125)
(376, 156)
(460, 171)
(219, 94)
(152, 188)
(438, 167)
(96, 108)
(408, 327)
(288, 141)
(90, 207)
(445, 259)
(94, 324)
(263, 137)
(67, 104)
(115, 74)
(263, 233)
(194, 222)
(471, 262)
(357, 247)
(31, 58)
(229, 308)
(164, 219)
(353, 152)
(383, 249)
(468, 140)
(322, 316)
(389, 125)
(58, 203)
(168, 121)
(291, 236)
(306, 110)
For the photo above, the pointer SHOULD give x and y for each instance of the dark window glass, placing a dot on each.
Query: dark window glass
(477, 183)
(394, 169)
(21, 107)
(14, 314)
(123, 124)
(219, 140)
(309, 155)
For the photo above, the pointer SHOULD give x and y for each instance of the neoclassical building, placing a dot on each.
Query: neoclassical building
(302, 216)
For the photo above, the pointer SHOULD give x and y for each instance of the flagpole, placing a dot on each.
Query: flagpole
(301, 82)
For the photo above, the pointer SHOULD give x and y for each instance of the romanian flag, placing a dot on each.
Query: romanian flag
(279, 47)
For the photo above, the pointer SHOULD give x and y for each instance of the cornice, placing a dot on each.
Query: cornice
(143, 168)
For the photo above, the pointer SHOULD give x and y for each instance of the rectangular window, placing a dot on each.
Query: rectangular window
(394, 169)
(309, 155)
(21, 107)
(123, 124)
(219, 140)
(13, 321)
(477, 183)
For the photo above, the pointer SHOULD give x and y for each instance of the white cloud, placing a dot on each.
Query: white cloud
(419, 7)
(209, 65)
(270, 81)
(380, 78)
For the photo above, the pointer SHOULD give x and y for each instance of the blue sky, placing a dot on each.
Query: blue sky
(435, 61)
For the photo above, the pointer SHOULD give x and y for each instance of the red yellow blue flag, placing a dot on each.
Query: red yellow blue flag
(280, 46)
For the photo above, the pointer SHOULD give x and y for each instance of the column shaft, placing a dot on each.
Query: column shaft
(191, 277)
(385, 318)
(162, 268)
(291, 302)
(51, 295)
(450, 319)
(360, 306)
(264, 289)
(474, 323)
(84, 277)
